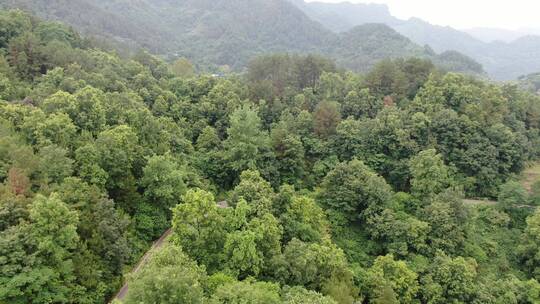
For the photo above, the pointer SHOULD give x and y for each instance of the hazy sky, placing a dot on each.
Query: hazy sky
(466, 13)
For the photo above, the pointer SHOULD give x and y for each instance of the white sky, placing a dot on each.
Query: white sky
(465, 13)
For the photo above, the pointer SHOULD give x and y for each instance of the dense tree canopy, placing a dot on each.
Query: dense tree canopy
(295, 182)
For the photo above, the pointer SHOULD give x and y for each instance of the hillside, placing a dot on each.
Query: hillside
(224, 34)
(293, 183)
(501, 60)
(91, 19)
(364, 45)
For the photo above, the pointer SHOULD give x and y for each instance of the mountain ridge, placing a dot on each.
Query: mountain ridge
(502, 60)
(226, 34)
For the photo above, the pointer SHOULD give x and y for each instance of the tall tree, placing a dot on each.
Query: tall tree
(245, 140)
(387, 273)
(49, 237)
(326, 118)
(429, 174)
(169, 277)
(163, 181)
(199, 228)
(352, 188)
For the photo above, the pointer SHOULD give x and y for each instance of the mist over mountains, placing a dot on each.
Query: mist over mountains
(487, 34)
(225, 34)
(505, 59)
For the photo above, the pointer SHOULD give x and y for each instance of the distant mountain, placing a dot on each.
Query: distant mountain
(228, 33)
(341, 17)
(373, 41)
(221, 32)
(488, 35)
(502, 60)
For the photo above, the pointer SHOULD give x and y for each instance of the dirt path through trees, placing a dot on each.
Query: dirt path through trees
(157, 244)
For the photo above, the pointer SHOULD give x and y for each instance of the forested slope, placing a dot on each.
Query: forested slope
(223, 35)
(343, 188)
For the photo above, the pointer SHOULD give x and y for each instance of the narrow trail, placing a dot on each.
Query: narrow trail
(157, 244)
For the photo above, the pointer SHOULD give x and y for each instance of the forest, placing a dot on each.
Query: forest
(219, 36)
(296, 182)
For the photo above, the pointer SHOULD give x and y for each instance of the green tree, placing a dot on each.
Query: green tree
(429, 174)
(13, 208)
(530, 244)
(101, 227)
(386, 296)
(150, 220)
(305, 220)
(242, 255)
(352, 187)
(89, 112)
(249, 251)
(387, 273)
(57, 129)
(163, 181)
(199, 228)
(450, 280)
(399, 232)
(60, 101)
(13, 23)
(512, 194)
(247, 292)
(245, 140)
(289, 152)
(208, 140)
(257, 192)
(268, 233)
(26, 56)
(361, 105)
(54, 165)
(49, 237)
(315, 265)
(448, 220)
(169, 277)
(117, 153)
(387, 79)
(88, 161)
(348, 142)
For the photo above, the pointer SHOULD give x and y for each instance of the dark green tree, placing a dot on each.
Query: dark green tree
(352, 188)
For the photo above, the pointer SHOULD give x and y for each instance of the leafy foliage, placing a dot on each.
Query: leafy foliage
(296, 182)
